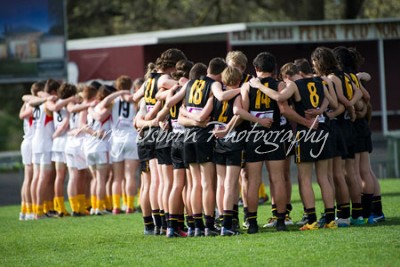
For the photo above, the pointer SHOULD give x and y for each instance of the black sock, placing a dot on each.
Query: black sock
(190, 221)
(228, 216)
(236, 212)
(281, 218)
(148, 223)
(198, 221)
(343, 210)
(157, 217)
(366, 202)
(252, 217)
(289, 208)
(163, 219)
(377, 205)
(329, 215)
(274, 210)
(312, 217)
(356, 210)
(210, 220)
(181, 221)
(173, 221)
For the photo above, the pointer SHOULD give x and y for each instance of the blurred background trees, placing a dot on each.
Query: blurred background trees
(92, 18)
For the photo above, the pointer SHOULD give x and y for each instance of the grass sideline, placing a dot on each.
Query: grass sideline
(118, 240)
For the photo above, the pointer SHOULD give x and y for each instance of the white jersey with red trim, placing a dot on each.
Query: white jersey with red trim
(29, 129)
(42, 140)
(122, 116)
(60, 141)
(97, 143)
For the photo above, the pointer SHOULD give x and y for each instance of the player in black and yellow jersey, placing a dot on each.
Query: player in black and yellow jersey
(312, 145)
(348, 94)
(228, 151)
(264, 116)
(161, 79)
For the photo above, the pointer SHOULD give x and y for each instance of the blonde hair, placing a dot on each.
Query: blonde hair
(237, 59)
(231, 76)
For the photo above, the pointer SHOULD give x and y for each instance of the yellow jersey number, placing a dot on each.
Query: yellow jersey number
(172, 111)
(349, 88)
(262, 99)
(314, 97)
(148, 92)
(222, 117)
(196, 92)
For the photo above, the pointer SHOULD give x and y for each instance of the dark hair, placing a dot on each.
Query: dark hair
(216, 65)
(324, 61)
(104, 91)
(51, 86)
(265, 62)
(357, 58)
(303, 65)
(198, 70)
(95, 84)
(66, 90)
(344, 59)
(37, 87)
(169, 58)
(183, 67)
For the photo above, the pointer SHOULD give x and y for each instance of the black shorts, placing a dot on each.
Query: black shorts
(313, 145)
(198, 152)
(146, 151)
(164, 156)
(144, 166)
(261, 149)
(338, 147)
(243, 157)
(232, 158)
(363, 136)
(349, 137)
(178, 155)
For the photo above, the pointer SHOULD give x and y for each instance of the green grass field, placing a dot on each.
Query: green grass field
(118, 240)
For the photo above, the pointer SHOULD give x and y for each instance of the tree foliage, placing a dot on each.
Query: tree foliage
(100, 18)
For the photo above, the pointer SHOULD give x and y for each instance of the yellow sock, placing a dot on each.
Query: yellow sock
(82, 203)
(34, 209)
(61, 205)
(261, 191)
(56, 205)
(73, 202)
(93, 199)
(23, 208)
(130, 202)
(107, 203)
(101, 204)
(40, 210)
(116, 200)
(29, 209)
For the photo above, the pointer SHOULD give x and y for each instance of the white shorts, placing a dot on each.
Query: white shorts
(41, 158)
(77, 160)
(122, 151)
(26, 151)
(58, 157)
(97, 158)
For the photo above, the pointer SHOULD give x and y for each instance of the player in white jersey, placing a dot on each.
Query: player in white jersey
(124, 152)
(66, 94)
(25, 114)
(43, 171)
(75, 157)
(96, 147)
